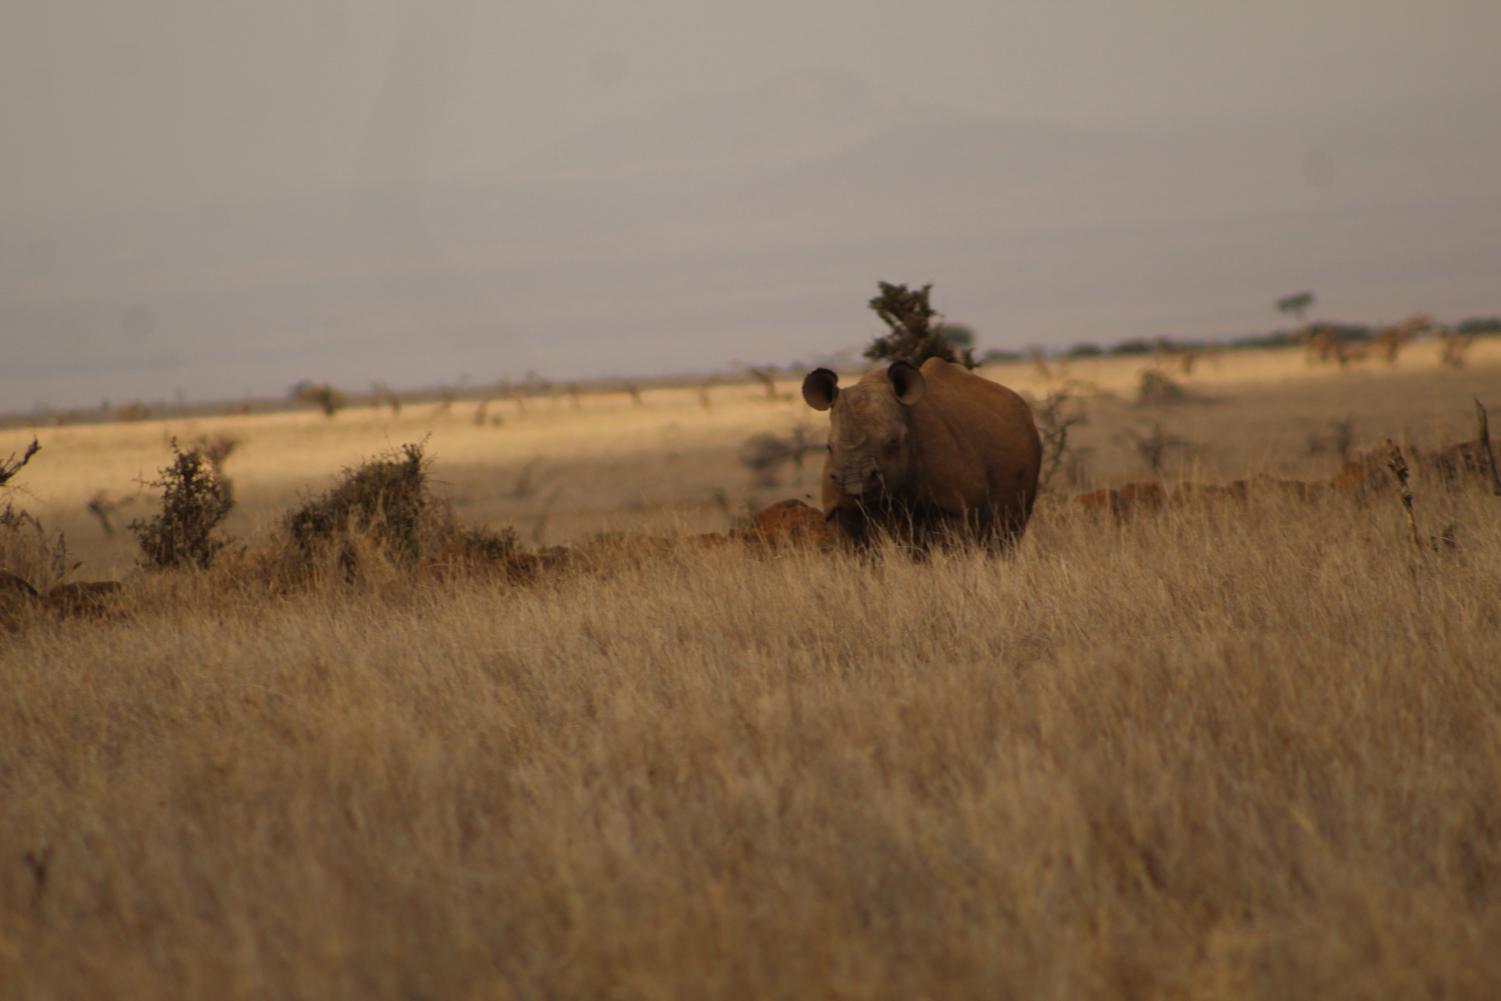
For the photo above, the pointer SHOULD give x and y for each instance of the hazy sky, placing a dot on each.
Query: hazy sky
(144, 141)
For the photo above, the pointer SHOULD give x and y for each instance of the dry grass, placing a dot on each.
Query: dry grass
(1247, 750)
(612, 465)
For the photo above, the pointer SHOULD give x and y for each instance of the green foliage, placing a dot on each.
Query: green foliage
(960, 335)
(195, 500)
(1297, 304)
(1479, 325)
(913, 337)
(1084, 350)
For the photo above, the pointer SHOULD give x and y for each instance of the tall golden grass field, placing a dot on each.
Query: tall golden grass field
(1240, 749)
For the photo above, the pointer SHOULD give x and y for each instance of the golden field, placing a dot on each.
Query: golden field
(1215, 752)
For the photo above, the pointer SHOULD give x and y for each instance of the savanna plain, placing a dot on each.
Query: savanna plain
(1244, 746)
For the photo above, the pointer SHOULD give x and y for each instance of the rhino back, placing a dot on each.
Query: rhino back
(976, 443)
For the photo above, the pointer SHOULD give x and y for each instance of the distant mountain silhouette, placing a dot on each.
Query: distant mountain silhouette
(756, 225)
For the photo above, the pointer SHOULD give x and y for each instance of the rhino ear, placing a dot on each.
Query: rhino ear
(907, 381)
(820, 387)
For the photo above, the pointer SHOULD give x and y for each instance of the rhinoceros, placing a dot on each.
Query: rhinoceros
(927, 455)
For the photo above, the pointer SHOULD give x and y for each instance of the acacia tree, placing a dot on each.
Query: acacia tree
(913, 335)
(1297, 304)
(318, 394)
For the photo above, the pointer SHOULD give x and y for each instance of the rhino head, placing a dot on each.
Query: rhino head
(870, 443)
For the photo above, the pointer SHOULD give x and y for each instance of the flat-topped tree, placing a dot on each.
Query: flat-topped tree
(914, 335)
(1297, 304)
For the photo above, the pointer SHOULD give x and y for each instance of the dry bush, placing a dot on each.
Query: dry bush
(1339, 440)
(1454, 349)
(527, 480)
(1158, 445)
(12, 465)
(1055, 418)
(1467, 461)
(384, 500)
(1391, 340)
(31, 558)
(1157, 389)
(195, 499)
(31, 553)
(380, 521)
(105, 507)
(766, 454)
(1455, 466)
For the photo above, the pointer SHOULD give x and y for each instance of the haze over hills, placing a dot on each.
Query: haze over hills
(754, 225)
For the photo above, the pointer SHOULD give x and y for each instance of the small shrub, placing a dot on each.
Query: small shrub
(1453, 349)
(765, 454)
(1338, 441)
(104, 508)
(195, 500)
(32, 554)
(1054, 419)
(1156, 447)
(29, 554)
(1159, 390)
